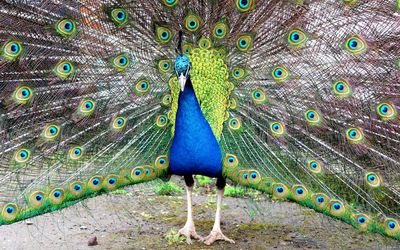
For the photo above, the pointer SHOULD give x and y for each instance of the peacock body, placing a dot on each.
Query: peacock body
(295, 98)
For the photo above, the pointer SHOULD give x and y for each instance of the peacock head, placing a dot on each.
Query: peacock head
(182, 68)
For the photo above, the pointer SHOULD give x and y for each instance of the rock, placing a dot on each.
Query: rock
(28, 222)
(83, 228)
(93, 241)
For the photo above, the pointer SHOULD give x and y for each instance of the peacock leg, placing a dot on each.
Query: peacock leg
(216, 233)
(189, 230)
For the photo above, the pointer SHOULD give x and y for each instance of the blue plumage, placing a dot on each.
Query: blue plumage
(194, 149)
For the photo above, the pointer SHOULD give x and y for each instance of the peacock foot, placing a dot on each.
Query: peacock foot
(189, 232)
(216, 235)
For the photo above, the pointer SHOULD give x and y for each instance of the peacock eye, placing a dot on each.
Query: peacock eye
(57, 196)
(39, 197)
(64, 69)
(75, 153)
(277, 129)
(164, 65)
(142, 87)
(161, 121)
(244, 42)
(77, 187)
(313, 117)
(220, 30)
(279, 189)
(205, 43)
(245, 5)
(336, 205)
(166, 100)
(342, 89)
(51, 132)
(355, 135)
(314, 166)
(10, 211)
(163, 34)
(119, 17)
(11, 50)
(259, 97)
(337, 208)
(118, 123)
(386, 111)
(192, 22)
(356, 45)
(391, 224)
(235, 124)
(238, 73)
(94, 183)
(86, 107)
(22, 95)
(299, 191)
(162, 162)
(297, 38)
(372, 179)
(14, 48)
(22, 155)
(231, 160)
(112, 181)
(320, 199)
(121, 62)
(66, 27)
(280, 74)
(233, 103)
(187, 48)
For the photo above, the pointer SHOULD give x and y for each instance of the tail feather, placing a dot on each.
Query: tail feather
(313, 114)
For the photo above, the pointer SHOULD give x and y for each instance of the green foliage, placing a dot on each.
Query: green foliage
(168, 188)
(172, 237)
(203, 180)
(234, 191)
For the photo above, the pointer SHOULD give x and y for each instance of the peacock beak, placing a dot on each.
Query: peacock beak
(182, 81)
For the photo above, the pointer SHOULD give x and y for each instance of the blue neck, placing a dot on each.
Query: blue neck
(194, 149)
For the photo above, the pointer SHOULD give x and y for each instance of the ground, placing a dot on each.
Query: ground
(137, 218)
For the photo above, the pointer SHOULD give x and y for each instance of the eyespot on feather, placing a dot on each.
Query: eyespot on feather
(77, 188)
(56, 196)
(320, 200)
(37, 198)
(280, 190)
(299, 192)
(95, 183)
(9, 211)
(336, 208)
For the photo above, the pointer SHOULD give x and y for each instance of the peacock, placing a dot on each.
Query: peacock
(298, 99)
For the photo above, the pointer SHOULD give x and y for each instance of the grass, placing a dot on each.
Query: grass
(203, 180)
(234, 191)
(168, 188)
(172, 237)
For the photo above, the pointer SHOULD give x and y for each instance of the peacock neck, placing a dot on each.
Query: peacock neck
(194, 149)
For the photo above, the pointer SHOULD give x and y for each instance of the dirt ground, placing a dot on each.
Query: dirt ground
(136, 218)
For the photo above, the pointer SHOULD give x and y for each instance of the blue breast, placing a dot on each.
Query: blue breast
(194, 149)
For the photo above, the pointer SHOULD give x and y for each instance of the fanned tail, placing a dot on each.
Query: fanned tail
(89, 97)
(314, 119)
(81, 109)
